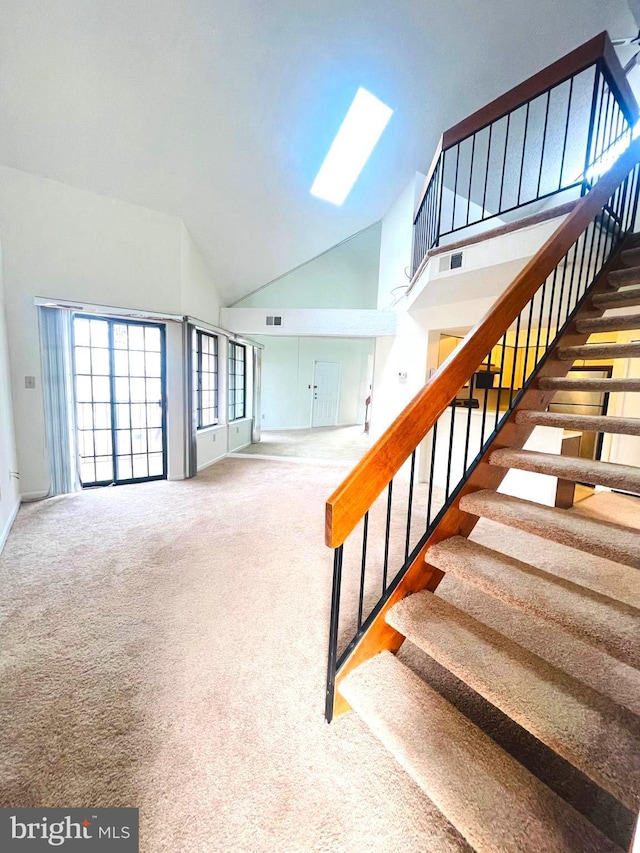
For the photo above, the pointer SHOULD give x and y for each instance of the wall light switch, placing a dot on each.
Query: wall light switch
(29, 381)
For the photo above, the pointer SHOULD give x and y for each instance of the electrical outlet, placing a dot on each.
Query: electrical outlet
(29, 381)
(237, 430)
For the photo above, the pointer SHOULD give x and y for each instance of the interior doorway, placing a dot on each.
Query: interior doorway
(119, 370)
(326, 393)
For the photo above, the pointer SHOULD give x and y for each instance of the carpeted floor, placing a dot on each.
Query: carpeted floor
(164, 646)
(344, 443)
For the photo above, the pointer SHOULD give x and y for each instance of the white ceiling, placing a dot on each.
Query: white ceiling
(221, 111)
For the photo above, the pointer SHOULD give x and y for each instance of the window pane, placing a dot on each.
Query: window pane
(155, 465)
(122, 389)
(125, 470)
(102, 416)
(139, 441)
(154, 440)
(104, 469)
(102, 440)
(140, 468)
(120, 336)
(122, 415)
(136, 338)
(136, 361)
(81, 332)
(85, 443)
(152, 361)
(121, 362)
(101, 389)
(85, 416)
(99, 333)
(100, 362)
(138, 413)
(83, 360)
(153, 390)
(152, 338)
(83, 389)
(138, 390)
(123, 441)
(88, 471)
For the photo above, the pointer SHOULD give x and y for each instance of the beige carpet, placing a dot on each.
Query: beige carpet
(345, 443)
(164, 646)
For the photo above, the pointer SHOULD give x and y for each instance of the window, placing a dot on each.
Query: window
(237, 380)
(206, 379)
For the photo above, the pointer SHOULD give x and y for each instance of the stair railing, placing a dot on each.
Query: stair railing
(548, 136)
(383, 516)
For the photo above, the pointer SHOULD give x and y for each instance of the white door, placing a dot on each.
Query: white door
(326, 393)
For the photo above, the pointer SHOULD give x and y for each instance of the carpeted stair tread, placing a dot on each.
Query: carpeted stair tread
(606, 577)
(588, 325)
(631, 257)
(598, 351)
(608, 624)
(624, 277)
(567, 383)
(618, 299)
(584, 661)
(588, 423)
(595, 735)
(626, 478)
(602, 538)
(493, 801)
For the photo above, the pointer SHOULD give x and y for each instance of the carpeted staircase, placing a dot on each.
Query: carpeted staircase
(556, 649)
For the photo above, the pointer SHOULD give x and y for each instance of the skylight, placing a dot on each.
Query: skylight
(361, 129)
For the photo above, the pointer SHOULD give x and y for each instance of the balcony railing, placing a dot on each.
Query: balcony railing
(552, 135)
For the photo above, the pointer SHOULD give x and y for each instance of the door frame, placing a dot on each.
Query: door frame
(163, 394)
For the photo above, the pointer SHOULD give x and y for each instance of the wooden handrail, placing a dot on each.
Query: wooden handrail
(356, 494)
(578, 60)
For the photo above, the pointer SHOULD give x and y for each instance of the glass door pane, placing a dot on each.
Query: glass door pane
(139, 410)
(119, 381)
(93, 400)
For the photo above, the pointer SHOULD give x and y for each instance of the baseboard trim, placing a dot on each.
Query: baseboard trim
(211, 462)
(33, 496)
(4, 533)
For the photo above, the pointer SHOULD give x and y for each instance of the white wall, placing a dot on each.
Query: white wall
(9, 493)
(396, 242)
(346, 276)
(287, 372)
(67, 243)
(332, 322)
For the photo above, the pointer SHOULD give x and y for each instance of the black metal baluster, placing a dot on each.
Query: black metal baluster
(387, 538)
(553, 293)
(485, 403)
(451, 435)
(504, 349)
(504, 162)
(525, 368)
(524, 148)
(566, 132)
(432, 466)
(542, 298)
(455, 189)
(468, 432)
(363, 567)
(473, 151)
(333, 632)
(515, 358)
(410, 505)
(486, 173)
(591, 130)
(573, 274)
(544, 139)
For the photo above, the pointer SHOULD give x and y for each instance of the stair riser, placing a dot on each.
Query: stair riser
(621, 299)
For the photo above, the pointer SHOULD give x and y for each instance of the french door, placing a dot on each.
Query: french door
(119, 368)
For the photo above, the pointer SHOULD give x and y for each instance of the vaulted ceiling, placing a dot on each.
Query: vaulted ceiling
(221, 112)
